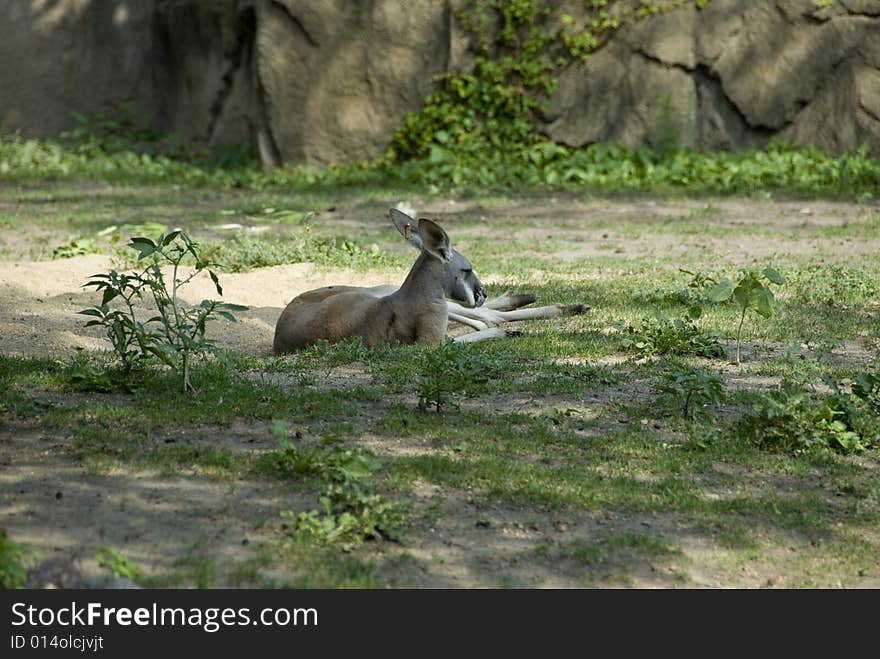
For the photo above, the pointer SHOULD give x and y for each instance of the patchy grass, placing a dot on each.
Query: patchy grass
(558, 458)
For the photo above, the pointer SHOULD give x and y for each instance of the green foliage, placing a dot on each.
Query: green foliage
(788, 420)
(327, 461)
(350, 514)
(489, 113)
(542, 164)
(76, 247)
(866, 387)
(449, 369)
(750, 293)
(123, 132)
(350, 511)
(858, 402)
(491, 107)
(15, 559)
(88, 377)
(177, 335)
(119, 564)
(693, 388)
(662, 336)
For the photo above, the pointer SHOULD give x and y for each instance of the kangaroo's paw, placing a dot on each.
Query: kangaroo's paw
(574, 309)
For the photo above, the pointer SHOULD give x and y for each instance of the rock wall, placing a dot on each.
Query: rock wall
(321, 82)
(734, 74)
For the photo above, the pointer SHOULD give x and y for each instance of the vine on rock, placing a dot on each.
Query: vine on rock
(520, 47)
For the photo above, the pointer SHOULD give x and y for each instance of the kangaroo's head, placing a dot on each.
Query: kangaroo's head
(460, 283)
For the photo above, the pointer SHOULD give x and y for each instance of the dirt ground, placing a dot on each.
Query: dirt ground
(51, 501)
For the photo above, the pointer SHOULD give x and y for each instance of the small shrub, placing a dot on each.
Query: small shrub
(76, 247)
(327, 461)
(858, 400)
(177, 335)
(350, 514)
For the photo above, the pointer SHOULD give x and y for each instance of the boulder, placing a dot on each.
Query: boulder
(338, 77)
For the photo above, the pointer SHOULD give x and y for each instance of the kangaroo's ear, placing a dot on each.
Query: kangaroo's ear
(407, 227)
(435, 241)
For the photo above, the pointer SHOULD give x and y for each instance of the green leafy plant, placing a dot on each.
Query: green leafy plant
(119, 564)
(15, 559)
(351, 511)
(492, 108)
(750, 292)
(833, 284)
(694, 388)
(177, 334)
(449, 369)
(858, 401)
(866, 387)
(87, 377)
(76, 247)
(350, 514)
(327, 461)
(663, 336)
(788, 420)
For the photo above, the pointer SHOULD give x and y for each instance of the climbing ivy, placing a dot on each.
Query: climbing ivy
(520, 47)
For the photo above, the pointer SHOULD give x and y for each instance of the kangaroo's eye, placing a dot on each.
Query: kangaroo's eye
(466, 272)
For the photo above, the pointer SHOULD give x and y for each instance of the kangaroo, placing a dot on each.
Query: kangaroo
(416, 311)
(485, 318)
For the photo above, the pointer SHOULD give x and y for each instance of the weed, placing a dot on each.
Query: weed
(750, 293)
(83, 374)
(787, 420)
(350, 515)
(449, 369)
(177, 335)
(351, 511)
(76, 247)
(866, 387)
(694, 388)
(119, 564)
(859, 407)
(693, 295)
(835, 285)
(327, 461)
(15, 559)
(662, 336)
